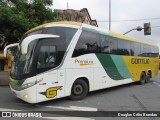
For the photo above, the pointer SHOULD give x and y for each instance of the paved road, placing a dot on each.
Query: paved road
(4, 77)
(131, 97)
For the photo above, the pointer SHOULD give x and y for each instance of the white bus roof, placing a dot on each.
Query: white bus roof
(89, 27)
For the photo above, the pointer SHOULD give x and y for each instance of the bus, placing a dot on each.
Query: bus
(62, 59)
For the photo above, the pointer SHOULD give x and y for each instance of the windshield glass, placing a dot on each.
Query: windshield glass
(43, 54)
(22, 62)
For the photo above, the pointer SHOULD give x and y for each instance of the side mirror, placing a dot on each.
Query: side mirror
(27, 40)
(9, 46)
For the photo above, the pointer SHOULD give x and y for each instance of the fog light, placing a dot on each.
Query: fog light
(25, 97)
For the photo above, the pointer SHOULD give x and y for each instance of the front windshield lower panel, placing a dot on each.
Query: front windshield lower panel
(42, 54)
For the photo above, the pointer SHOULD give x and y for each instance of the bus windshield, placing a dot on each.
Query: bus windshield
(22, 62)
(43, 54)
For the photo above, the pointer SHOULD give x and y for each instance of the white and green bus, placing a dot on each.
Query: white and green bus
(61, 59)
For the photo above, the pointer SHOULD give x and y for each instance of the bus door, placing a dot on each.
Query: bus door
(46, 62)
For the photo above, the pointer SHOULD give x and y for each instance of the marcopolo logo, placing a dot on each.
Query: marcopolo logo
(84, 62)
(140, 61)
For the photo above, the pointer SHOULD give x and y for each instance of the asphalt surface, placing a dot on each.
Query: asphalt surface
(4, 77)
(130, 97)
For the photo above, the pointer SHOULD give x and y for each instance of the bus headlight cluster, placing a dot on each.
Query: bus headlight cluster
(27, 85)
(30, 84)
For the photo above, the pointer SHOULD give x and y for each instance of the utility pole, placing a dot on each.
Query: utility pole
(109, 15)
(67, 6)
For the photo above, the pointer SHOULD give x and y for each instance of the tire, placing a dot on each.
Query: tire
(142, 78)
(79, 90)
(148, 77)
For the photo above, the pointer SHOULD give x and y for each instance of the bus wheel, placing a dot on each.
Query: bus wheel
(142, 78)
(148, 77)
(79, 90)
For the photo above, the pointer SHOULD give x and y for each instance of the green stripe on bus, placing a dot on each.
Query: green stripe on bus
(121, 66)
(109, 66)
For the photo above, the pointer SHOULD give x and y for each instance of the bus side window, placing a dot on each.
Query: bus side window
(154, 52)
(108, 45)
(87, 43)
(135, 49)
(105, 45)
(143, 50)
(123, 47)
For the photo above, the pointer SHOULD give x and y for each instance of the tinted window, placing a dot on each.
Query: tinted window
(47, 56)
(105, 45)
(123, 47)
(108, 45)
(87, 43)
(66, 34)
(135, 49)
(143, 49)
(91, 42)
(154, 51)
(148, 51)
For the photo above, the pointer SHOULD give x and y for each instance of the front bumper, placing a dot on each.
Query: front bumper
(27, 95)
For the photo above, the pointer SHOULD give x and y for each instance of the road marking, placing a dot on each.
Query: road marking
(156, 84)
(5, 109)
(67, 118)
(74, 108)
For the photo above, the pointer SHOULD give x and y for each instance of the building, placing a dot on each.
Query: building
(82, 16)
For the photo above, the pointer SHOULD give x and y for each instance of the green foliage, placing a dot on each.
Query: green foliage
(18, 16)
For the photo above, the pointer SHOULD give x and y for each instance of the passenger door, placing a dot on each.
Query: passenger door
(46, 61)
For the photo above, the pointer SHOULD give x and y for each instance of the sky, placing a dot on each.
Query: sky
(121, 10)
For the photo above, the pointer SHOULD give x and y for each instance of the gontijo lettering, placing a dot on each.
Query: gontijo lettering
(140, 61)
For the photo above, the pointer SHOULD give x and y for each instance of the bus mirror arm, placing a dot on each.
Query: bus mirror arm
(9, 46)
(29, 39)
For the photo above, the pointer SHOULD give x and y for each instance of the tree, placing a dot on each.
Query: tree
(18, 16)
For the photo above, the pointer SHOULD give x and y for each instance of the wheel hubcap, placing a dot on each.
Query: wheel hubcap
(78, 89)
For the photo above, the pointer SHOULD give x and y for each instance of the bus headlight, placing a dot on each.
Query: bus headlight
(30, 84)
(25, 86)
(25, 97)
